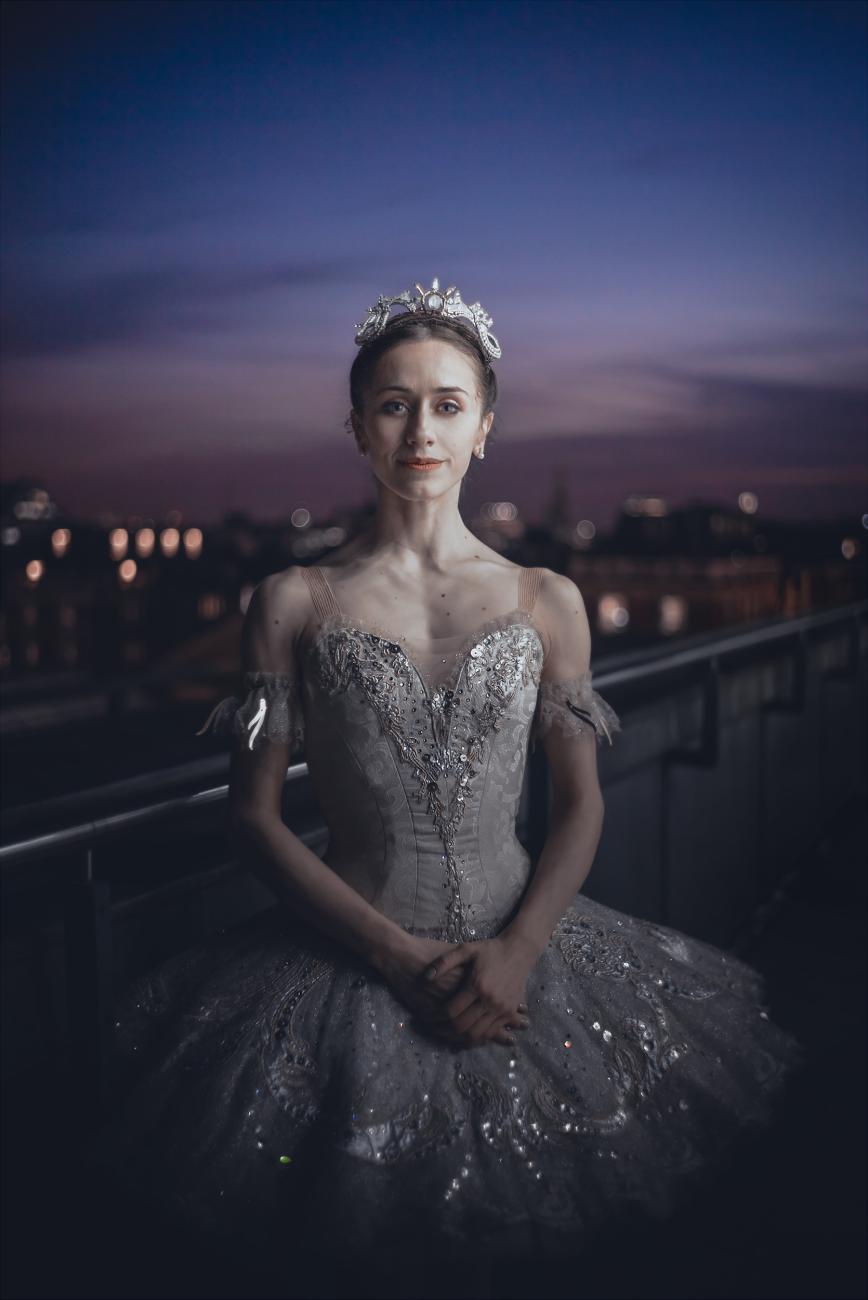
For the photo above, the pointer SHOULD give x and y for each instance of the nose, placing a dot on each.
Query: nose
(417, 435)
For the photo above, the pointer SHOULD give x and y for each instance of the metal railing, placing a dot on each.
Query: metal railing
(91, 829)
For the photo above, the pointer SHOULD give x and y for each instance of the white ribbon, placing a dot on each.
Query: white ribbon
(256, 723)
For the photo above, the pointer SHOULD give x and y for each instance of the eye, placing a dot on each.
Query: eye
(396, 401)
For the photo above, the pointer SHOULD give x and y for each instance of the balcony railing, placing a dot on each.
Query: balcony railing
(736, 751)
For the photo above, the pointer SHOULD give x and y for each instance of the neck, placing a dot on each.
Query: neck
(420, 535)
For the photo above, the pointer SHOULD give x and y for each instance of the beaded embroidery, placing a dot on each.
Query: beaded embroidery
(443, 744)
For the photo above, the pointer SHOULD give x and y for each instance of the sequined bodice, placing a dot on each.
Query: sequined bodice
(421, 808)
(417, 755)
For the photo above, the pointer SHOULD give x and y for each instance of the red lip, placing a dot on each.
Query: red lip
(421, 463)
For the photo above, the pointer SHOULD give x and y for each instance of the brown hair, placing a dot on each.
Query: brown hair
(407, 326)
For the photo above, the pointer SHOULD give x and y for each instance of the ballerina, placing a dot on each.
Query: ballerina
(430, 1043)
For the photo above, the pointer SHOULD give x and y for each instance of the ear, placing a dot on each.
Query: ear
(488, 422)
(358, 432)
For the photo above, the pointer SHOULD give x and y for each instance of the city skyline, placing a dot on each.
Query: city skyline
(662, 205)
(595, 487)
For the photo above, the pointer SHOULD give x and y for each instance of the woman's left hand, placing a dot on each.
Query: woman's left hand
(495, 975)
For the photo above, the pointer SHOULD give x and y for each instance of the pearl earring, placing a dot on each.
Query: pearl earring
(480, 452)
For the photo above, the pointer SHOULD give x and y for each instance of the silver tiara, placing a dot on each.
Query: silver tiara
(430, 302)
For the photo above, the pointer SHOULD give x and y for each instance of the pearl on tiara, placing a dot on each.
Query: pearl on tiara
(430, 302)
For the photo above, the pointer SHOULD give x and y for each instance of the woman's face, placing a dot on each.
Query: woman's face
(422, 405)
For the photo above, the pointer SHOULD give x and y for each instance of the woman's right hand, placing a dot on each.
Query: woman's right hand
(402, 971)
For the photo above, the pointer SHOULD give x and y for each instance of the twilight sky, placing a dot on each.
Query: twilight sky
(663, 205)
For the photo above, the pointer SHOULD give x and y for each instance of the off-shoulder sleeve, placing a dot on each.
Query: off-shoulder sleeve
(572, 707)
(270, 711)
(567, 702)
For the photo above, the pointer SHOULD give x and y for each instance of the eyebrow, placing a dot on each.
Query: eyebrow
(396, 388)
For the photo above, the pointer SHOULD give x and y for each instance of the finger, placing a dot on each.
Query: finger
(518, 1018)
(497, 1032)
(514, 1024)
(445, 985)
(483, 1021)
(478, 1015)
(457, 1005)
(467, 1005)
(476, 1024)
(440, 965)
(494, 1030)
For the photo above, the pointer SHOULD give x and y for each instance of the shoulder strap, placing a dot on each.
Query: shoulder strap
(528, 587)
(324, 599)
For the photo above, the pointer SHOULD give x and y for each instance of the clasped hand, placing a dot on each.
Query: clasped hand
(476, 992)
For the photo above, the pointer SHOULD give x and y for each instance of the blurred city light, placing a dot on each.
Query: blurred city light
(637, 504)
(612, 612)
(118, 541)
(170, 540)
(145, 539)
(673, 615)
(193, 543)
(60, 540)
(211, 605)
(501, 511)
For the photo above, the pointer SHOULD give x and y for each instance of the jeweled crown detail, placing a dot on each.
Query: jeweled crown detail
(430, 302)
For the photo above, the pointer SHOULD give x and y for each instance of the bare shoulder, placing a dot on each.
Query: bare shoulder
(277, 613)
(284, 594)
(564, 622)
(559, 596)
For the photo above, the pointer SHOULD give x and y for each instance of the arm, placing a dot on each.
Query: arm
(573, 719)
(267, 722)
